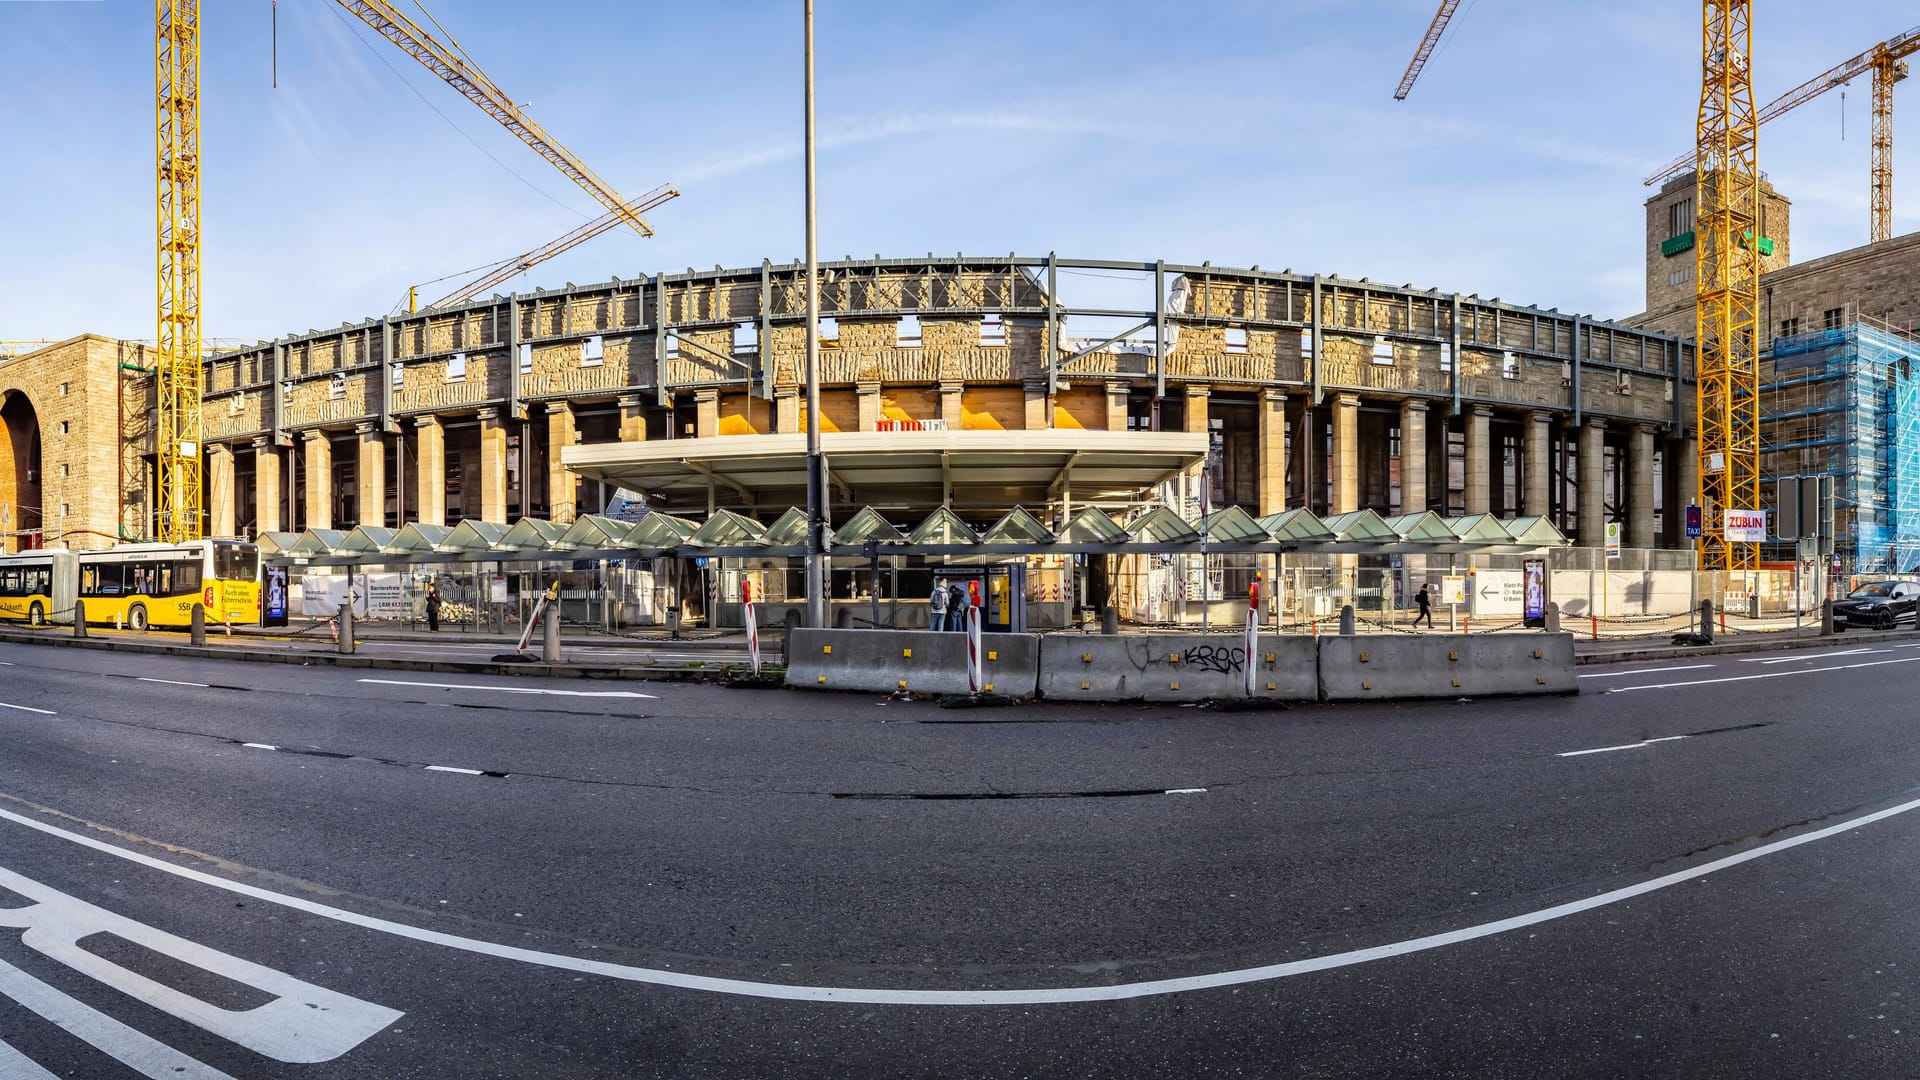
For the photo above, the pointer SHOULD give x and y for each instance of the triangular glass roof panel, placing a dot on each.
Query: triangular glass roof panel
(532, 534)
(1536, 532)
(658, 532)
(1426, 528)
(415, 537)
(724, 528)
(943, 526)
(868, 525)
(317, 543)
(1361, 526)
(1235, 526)
(1092, 525)
(1161, 525)
(592, 531)
(1296, 526)
(1017, 527)
(274, 543)
(789, 529)
(476, 537)
(1479, 529)
(366, 540)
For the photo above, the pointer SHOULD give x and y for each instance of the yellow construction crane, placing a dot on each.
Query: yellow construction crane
(507, 268)
(178, 367)
(1726, 266)
(1886, 61)
(1726, 314)
(1420, 55)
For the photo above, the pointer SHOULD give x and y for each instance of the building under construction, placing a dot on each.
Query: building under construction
(1844, 402)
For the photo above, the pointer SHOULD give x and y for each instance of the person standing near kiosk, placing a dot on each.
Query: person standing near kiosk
(937, 606)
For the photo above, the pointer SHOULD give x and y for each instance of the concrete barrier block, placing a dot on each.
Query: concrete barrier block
(1175, 667)
(1381, 668)
(919, 661)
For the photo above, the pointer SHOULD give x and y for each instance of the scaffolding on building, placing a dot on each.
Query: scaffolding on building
(1843, 402)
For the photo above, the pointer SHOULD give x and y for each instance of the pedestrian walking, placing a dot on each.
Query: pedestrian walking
(937, 606)
(1425, 601)
(433, 608)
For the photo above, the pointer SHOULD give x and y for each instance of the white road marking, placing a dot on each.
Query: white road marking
(139, 1052)
(6, 663)
(29, 708)
(260, 745)
(1049, 996)
(449, 768)
(1644, 671)
(1623, 746)
(1763, 675)
(516, 689)
(302, 1023)
(169, 682)
(15, 1064)
(1185, 791)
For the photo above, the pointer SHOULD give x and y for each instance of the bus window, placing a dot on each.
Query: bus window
(236, 562)
(101, 579)
(186, 578)
(12, 582)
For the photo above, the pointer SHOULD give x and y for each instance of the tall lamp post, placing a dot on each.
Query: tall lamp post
(816, 465)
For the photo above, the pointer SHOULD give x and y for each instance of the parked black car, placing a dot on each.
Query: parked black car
(1878, 605)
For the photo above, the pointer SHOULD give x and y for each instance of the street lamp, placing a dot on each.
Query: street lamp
(816, 465)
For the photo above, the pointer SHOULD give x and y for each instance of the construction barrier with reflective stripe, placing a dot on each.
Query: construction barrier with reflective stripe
(1176, 667)
(918, 661)
(1381, 667)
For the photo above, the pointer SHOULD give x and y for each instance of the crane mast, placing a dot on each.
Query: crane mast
(1727, 282)
(177, 369)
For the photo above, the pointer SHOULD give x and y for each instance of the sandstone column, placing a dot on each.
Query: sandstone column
(706, 413)
(951, 407)
(1345, 465)
(1685, 454)
(493, 466)
(1413, 457)
(1039, 407)
(1640, 482)
(633, 419)
(1479, 461)
(430, 470)
(867, 397)
(1272, 449)
(371, 478)
(1116, 406)
(1536, 494)
(267, 493)
(220, 493)
(1196, 410)
(562, 485)
(1593, 435)
(319, 463)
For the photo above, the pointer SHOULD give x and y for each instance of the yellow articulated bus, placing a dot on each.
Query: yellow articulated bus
(37, 586)
(147, 585)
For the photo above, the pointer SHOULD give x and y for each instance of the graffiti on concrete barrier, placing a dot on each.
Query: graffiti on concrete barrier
(1221, 658)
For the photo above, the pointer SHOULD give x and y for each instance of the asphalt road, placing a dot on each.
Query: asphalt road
(221, 868)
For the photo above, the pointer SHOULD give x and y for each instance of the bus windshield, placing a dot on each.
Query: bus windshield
(236, 562)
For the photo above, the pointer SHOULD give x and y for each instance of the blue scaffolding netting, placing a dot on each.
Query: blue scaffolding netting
(1844, 403)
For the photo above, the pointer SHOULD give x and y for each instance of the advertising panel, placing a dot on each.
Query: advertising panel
(1746, 526)
(1534, 573)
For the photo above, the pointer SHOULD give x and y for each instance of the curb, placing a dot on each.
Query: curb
(632, 672)
(1676, 652)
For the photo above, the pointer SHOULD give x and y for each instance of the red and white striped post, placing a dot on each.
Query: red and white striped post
(753, 625)
(976, 675)
(1253, 629)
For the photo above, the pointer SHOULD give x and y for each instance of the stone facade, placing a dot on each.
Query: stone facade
(77, 457)
(1671, 221)
(1322, 392)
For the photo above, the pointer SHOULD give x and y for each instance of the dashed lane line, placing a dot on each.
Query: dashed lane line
(1038, 996)
(1763, 675)
(1643, 671)
(28, 708)
(1622, 746)
(516, 689)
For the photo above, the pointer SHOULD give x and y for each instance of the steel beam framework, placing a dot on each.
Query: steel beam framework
(179, 369)
(1727, 280)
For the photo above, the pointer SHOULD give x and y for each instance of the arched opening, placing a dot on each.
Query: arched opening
(20, 513)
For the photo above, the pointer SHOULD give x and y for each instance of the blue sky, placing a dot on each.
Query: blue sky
(1235, 131)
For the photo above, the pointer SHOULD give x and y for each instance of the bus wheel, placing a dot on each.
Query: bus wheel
(137, 618)
(36, 615)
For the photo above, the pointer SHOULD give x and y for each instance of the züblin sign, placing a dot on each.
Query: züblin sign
(1746, 526)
